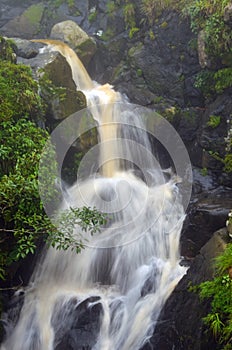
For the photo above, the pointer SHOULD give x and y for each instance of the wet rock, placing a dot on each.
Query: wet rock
(76, 38)
(180, 324)
(81, 328)
(26, 48)
(207, 212)
(53, 66)
(161, 66)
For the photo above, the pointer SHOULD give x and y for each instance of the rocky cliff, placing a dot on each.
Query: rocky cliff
(157, 67)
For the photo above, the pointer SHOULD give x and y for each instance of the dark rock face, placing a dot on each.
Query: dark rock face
(81, 327)
(212, 138)
(163, 66)
(180, 323)
(206, 213)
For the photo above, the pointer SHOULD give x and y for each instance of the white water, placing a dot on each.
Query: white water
(132, 265)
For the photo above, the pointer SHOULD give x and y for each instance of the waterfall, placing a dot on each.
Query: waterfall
(126, 272)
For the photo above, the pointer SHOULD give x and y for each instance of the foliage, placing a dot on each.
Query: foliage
(21, 212)
(107, 35)
(133, 31)
(214, 121)
(223, 79)
(129, 15)
(62, 235)
(48, 89)
(22, 217)
(92, 16)
(152, 9)
(6, 50)
(23, 220)
(111, 8)
(207, 15)
(212, 83)
(148, 9)
(205, 82)
(19, 92)
(219, 291)
(204, 171)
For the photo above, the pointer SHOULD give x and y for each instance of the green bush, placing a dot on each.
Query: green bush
(129, 15)
(19, 92)
(219, 291)
(22, 216)
(207, 15)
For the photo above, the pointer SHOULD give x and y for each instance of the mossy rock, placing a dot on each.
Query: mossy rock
(61, 95)
(76, 38)
(6, 50)
(86, 50)
(135, 50)
(28, 24)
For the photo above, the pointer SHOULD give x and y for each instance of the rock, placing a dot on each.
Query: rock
(228, 15)
(26, 48)
(180, 324)
(162, 65)
(26, 25)
(61, 103)
(211, 138)
(207, 212)
(76, 38)
(202, 54)
(81, 326)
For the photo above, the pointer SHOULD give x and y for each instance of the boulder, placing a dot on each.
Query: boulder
(76, 38)
(81, 327)
(26, 48)
(57, 86)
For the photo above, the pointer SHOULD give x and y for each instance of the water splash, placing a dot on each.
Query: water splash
(132, 266)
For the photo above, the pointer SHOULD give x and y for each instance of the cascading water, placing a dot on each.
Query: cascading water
(131, 267)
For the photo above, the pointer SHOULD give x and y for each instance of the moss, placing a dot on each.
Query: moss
(86, 50)
(108, 34)
(135, 50)
(139, 72)
(151, 34)
(119, 70)
(92, 16)
(19, 95)
(7, 51)
(170, 113)
(34, 14)
(133, 31)
(163, 25)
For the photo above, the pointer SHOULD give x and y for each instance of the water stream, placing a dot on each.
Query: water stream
(128, 270)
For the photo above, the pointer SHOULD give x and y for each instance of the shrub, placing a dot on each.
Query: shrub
(219, 290)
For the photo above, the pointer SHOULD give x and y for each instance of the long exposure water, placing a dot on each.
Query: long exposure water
(131, 266)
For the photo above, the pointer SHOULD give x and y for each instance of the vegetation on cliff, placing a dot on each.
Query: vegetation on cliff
(23, 220)
(219, 291)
